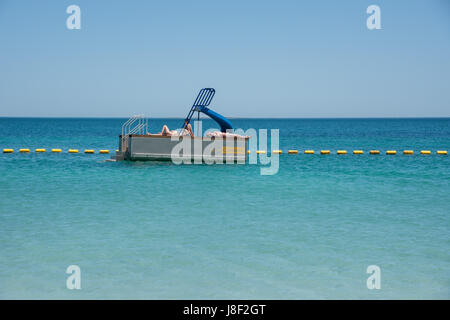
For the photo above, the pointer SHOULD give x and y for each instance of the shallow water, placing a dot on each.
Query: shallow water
(157, 230)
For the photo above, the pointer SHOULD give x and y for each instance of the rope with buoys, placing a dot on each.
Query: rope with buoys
(290, 151)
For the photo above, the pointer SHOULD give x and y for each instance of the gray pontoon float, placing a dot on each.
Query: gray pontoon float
(135, 143)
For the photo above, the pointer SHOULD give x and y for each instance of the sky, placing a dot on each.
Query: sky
(302, 59)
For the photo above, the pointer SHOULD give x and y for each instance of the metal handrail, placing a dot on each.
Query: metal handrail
(125, 125)
(140, 128)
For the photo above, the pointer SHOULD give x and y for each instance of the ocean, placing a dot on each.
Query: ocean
(156, 230)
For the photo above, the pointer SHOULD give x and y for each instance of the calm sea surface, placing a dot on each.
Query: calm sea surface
(151, 230)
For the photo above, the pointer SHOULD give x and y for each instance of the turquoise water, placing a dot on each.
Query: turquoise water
(157, 230)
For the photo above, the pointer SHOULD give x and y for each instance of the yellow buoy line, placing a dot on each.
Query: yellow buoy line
(291, 151)
(42, 150)
(343, 152)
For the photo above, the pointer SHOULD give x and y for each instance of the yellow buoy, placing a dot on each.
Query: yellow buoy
(8, 150)
(24, 150)
(374, 151)
(309, 151)
(342, 152)
(40, 150)
(88, 151)
(408, 152)
(425, 152)
(104, 151)
(248, 151)
(391, 152)
(277, 151)
(257, 151)
(73, 150)
(358, 152)
(292, 151)
(56, 150)
(441, 152)
(324, 151)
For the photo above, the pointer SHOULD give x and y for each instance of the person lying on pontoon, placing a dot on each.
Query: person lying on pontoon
(224, 135)
(184, 132)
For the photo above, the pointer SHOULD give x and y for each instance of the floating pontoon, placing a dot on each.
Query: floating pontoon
(135, 143)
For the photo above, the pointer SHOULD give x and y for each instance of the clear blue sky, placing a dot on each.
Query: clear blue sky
(265, 58)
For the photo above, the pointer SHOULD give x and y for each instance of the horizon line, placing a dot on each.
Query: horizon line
(262, 118)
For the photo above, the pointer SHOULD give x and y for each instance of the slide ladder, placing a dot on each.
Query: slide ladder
(201, 104)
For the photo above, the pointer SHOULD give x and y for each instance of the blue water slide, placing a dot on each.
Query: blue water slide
(203, 100)
(223, 122)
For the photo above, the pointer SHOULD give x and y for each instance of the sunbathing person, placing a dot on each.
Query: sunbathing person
(220, 134)
(184, 132)
(167, 132)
